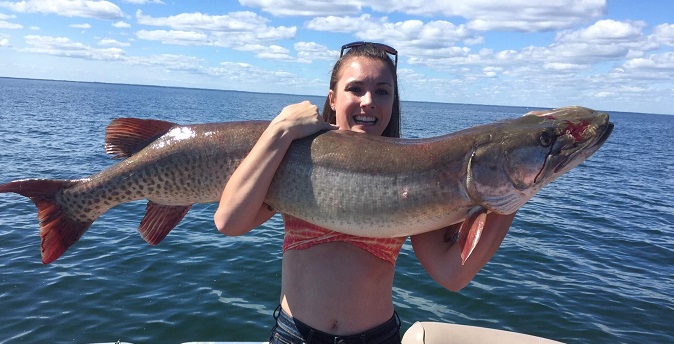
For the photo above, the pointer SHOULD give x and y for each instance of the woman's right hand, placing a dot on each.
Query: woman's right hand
(300, 120)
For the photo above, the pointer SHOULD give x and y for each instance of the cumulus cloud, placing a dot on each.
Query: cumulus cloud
(519, 15)
(313, 51)
(305, 8)
(177, 37)
(143, 2)
(113, 42)
(232, 22)
(528, 16)
(81, 26)
(67, 8)
(4, 24)
(409, 33)
(246, 31)
(655, 64)
(664, 34)
(605, 31)
(63, 46)
(121, 25)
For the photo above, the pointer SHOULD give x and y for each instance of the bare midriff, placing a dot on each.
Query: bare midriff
(337, 288)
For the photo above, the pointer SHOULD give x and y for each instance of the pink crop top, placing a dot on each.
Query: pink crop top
(300, 235)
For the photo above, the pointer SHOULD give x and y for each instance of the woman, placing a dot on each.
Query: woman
(336, 286)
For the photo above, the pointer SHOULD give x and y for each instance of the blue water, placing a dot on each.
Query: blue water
(590, 259)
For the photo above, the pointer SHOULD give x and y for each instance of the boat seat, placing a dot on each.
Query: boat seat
(442, 333)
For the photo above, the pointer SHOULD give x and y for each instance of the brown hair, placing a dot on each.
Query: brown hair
(373, 52)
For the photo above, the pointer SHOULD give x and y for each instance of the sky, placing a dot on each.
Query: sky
(607, 55)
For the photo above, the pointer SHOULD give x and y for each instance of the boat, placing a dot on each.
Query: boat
(444, 333)
(437, 332)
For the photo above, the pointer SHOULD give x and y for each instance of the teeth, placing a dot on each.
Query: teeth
(365, 119)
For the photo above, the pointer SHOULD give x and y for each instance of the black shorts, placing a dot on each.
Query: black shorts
(288, 330)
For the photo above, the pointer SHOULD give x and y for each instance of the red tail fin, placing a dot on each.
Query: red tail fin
(57, 230)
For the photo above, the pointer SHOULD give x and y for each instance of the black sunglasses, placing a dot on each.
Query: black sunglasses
(387, 48)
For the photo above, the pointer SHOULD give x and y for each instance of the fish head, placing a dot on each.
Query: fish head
(522, 156)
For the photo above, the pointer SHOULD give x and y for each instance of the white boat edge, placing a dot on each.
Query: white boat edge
(440, 333)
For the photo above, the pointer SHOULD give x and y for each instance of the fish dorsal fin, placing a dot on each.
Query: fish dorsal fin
(124, 137)
(159, 220)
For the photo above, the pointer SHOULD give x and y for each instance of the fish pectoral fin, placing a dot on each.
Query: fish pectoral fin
(124, 137)
(471, 231)
(159, 220)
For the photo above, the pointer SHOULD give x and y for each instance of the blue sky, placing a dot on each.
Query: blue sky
(608, 55)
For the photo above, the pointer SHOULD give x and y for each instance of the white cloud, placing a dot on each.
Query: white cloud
(662, 64)
(113, 42)
(121, 25)
(4, 24)
(10, 26)
(557, 66)
(244, 31)
(63, 46)
(517, 15)
(313, 51)
(224, 30)
(81, 26)
(605, 31)
(67, 8)
(177, 37)
(409, 33)
(4, 42)
(143, 2)
(232, 22)
(664, 34)
(306, 8)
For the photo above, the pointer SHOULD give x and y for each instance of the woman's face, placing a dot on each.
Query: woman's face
(363, 97)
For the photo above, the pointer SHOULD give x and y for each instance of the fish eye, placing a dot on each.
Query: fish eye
(546, 139)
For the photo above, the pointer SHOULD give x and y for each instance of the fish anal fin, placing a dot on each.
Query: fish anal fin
(159, 220)
(58, 230)
(471, 231)
(124, 137)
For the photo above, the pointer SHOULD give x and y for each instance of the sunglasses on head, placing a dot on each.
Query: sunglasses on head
(387, 48)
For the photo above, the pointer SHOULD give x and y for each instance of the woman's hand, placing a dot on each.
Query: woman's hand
(300, 120)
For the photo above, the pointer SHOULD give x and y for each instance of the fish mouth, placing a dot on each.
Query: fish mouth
(569, 150)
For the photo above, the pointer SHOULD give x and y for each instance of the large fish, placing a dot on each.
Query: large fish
(352, 183)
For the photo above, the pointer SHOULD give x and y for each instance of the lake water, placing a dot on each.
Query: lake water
(590, 259)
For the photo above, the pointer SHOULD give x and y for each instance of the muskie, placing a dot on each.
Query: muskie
(348, 182)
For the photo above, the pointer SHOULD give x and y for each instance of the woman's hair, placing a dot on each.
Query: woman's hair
(373, 52)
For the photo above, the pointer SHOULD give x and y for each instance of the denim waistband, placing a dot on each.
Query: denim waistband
(296, 331)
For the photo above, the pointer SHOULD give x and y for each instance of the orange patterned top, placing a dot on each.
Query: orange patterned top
(300, 235)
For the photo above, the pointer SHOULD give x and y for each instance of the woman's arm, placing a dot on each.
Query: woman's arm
(442, 261)
(242, 206)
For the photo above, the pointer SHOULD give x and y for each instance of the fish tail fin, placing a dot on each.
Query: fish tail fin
(58, 230)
